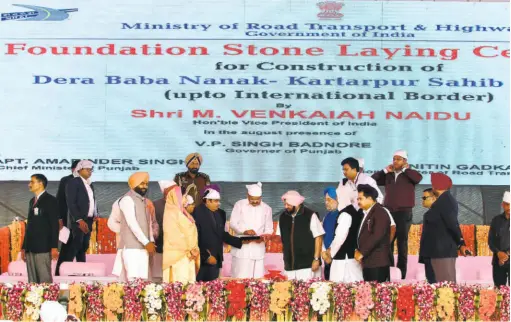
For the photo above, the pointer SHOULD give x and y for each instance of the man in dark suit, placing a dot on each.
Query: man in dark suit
(81, 202)
(61, 195)
(210, 222)
(441, 235)
(399, 181)
(428, 199)
(498, 240)
(42, 232)
(373, 237)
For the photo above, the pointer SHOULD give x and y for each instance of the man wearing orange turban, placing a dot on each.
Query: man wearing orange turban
(441, 234)
(192, 182)
(136, 242)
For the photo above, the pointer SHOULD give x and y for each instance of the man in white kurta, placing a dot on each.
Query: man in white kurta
(293, 203)
(250, 217)
(114, 224)
(347, 269)
(136, 240)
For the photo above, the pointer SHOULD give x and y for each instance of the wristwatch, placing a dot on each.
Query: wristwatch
(316, 259)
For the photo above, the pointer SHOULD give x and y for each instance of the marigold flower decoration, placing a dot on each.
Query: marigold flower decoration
(487, 303)
(236, 299)
(113, 301)
(75, 305)
(279, 298)
(445, 303)
(405, 303)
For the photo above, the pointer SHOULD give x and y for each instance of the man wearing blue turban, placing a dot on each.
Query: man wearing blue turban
(341, 227)
(329, 224)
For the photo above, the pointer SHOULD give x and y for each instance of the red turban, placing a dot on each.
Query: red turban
(440, 181)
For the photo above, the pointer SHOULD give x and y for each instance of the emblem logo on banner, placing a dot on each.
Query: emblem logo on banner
(38, 14)
(330, 10)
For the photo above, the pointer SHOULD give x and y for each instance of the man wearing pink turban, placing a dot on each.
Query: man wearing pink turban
(441, 238)
(301, 233)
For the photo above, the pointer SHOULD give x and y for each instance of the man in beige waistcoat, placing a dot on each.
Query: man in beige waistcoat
(136, 240)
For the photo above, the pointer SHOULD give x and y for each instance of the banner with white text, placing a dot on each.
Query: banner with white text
(272, 90)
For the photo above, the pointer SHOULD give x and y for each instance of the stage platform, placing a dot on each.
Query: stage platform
(470, 270)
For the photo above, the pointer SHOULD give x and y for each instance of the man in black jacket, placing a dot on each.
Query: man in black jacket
(441, 235)
(81, 201)
(498, 240)
(210, 222)
(42, 232)
(61, 195)
(301, 233)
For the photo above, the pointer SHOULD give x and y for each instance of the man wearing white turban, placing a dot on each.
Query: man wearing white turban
(302, 238)
(82, 212)
(210, 223)
(52, 311)
(250, 217)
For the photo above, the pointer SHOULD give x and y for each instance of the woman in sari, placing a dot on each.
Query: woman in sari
(181, 256)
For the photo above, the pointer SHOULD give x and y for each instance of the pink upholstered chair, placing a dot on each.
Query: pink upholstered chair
(226, 266)
(395, 274)
(83, 269)
(17, 268)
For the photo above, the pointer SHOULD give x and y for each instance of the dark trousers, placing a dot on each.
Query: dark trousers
(501, 274)
(445, 269)
(327, 271)
(208, 273)
(377, 274)
(403, 221)
(76, 247)
(430, 273)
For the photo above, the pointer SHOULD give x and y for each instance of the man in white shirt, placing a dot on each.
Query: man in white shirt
(361, 164)
(250, 217)
(302, 238)
(135, 231)
(353, 177)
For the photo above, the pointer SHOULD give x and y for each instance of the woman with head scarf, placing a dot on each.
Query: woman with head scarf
(181, 256)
